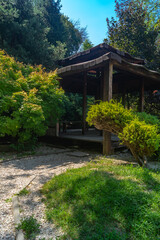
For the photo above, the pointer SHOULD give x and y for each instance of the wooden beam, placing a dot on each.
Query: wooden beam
(84, 103)
(141, 98)
(107, 96)
(137, 69)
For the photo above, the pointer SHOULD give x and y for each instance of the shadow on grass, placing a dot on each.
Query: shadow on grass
(98, 206)
(150, 182)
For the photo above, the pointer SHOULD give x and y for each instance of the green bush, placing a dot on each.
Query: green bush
(139, 132)
(148, 118)
(110, 116)
(30, 100)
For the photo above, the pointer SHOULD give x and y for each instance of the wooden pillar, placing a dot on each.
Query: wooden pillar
(84, 103)
(107, 82)
(107, 96)
(101, 84)
(97, 95)
(141, 97)
(57, 129)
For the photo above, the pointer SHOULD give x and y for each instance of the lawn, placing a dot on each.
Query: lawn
(104, 200)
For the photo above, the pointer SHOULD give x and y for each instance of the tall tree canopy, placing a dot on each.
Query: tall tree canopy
(87, 44)
(36, 32)
(136, 30)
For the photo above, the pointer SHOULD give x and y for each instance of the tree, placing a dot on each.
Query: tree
(73, 35)
(25, 10)
(30, 100)
(52, 16)
(8, 14)
(153, 9)
(61, 28)
(131, 31)
(87, 44)
(36, 32)
(24, 35)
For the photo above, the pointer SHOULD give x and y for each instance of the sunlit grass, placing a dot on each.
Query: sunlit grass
(105, 201)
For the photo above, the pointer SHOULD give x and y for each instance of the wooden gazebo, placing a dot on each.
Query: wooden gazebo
(102, 71)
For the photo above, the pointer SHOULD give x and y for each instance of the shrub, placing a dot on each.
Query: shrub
(141, 138)
(110, 116)
(139, 132)
(148, 118)
(30, 100)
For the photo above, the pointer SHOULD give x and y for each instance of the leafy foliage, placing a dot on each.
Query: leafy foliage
(73, 35)
(87, 44)
(30, 100)
(73, 106)
(140, 133)
(133, 30)
(153, 8)
(36, 32)
(152, 103)
(149, 119)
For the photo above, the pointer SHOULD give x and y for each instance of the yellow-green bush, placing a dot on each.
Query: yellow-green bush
(30, 99)
(139, 132)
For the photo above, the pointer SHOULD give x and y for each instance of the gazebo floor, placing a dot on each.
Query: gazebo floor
(91, 136)
(91, 141)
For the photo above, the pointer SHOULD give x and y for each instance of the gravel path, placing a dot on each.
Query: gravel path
(35, 171)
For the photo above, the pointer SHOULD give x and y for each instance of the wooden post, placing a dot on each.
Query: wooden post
(101, 84)
(141, 99)
(57, 129)
(97, 96)
(84, 103)
(107, 96)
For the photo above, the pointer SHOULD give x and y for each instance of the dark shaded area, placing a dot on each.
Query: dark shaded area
(73, 143)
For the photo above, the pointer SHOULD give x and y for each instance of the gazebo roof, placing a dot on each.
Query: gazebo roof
(128, 70)
(119, 62)
(96, 52)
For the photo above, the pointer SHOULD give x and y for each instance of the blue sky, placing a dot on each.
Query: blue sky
(90, 13)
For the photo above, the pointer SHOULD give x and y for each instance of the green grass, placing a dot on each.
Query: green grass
(8, 200)
(30, 227)
(105, 201)
(23, 192)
